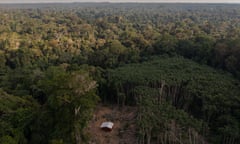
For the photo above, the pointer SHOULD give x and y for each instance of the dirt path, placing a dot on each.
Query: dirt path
(124, 129)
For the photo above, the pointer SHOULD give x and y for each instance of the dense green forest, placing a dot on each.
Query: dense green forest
(179, 64)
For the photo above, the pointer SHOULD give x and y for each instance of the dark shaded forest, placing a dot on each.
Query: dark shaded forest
(179, 64)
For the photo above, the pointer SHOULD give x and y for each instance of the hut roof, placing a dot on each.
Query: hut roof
(108, 125)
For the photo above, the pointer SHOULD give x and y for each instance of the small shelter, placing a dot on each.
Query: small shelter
(107, 126)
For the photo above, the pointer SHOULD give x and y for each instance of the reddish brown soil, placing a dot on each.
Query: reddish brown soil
(124, 129)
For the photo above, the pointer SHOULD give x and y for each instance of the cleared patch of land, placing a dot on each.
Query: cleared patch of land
(124, 129)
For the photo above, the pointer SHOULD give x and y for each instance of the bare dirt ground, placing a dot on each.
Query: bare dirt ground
(124, 129)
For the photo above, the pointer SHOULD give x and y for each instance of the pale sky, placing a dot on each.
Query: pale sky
(190, 1)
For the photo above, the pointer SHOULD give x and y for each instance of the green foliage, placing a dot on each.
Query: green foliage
(70, 101)
(201, 91)
(166, 44)
(67, 100)
(49, 91)
(16, 115)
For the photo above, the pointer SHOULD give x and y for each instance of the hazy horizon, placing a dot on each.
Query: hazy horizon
(122, 1)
